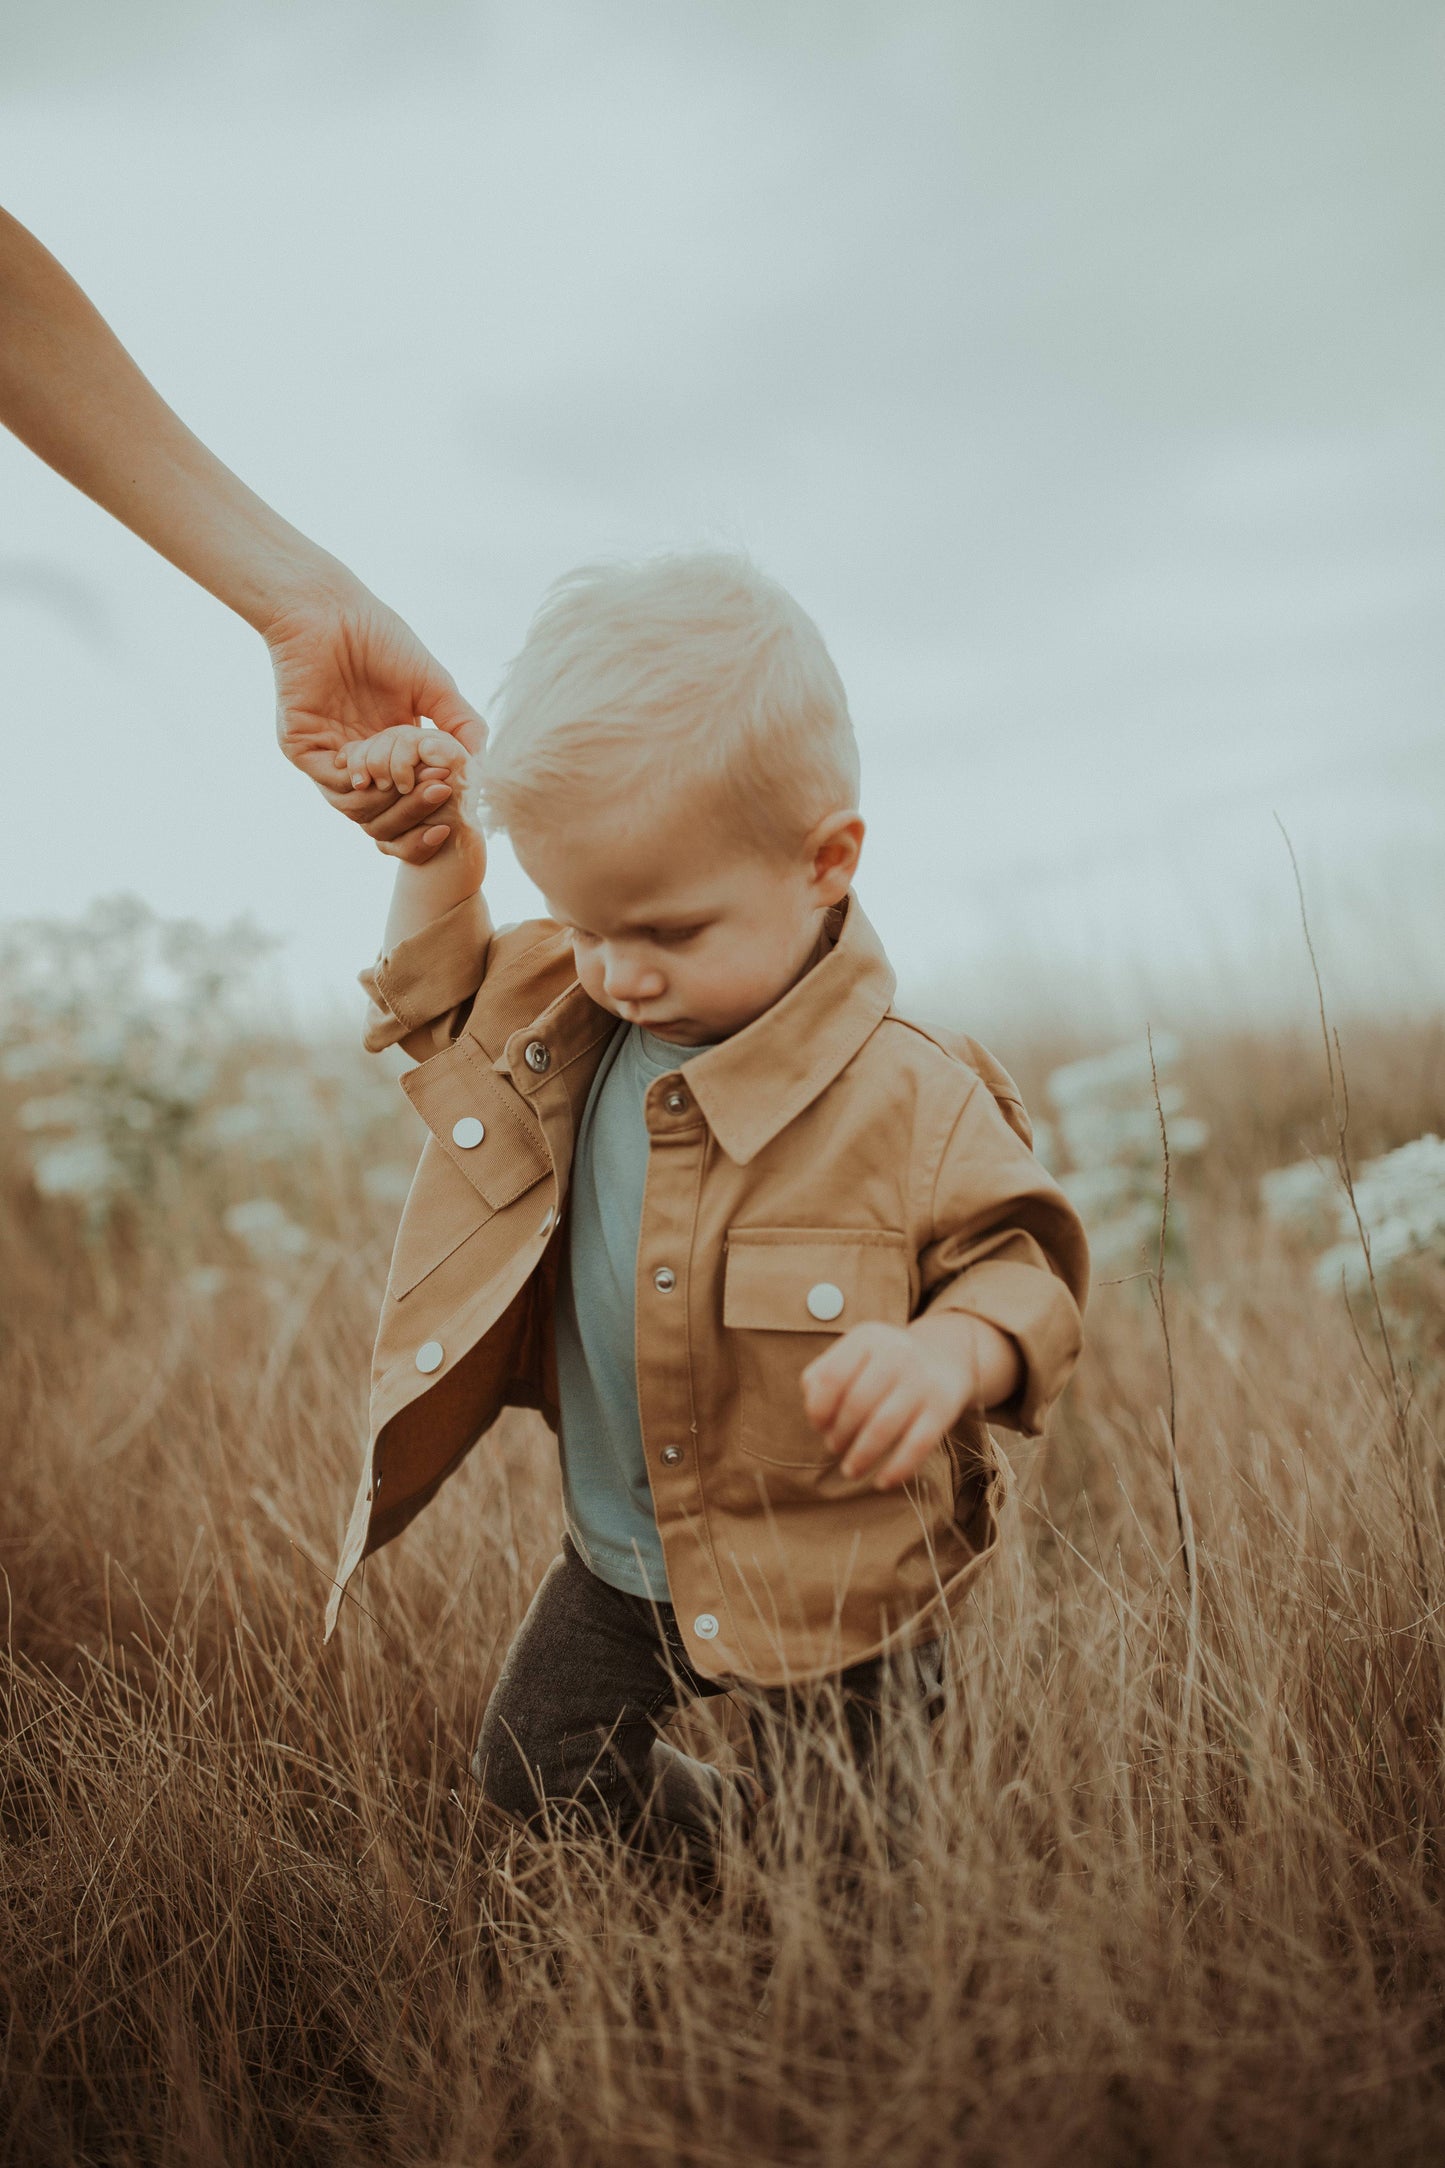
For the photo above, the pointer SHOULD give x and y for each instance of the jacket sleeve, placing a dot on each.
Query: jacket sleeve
(1008, 1247)
(420, 993)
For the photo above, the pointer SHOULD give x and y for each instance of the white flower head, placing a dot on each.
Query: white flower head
(267, 1230)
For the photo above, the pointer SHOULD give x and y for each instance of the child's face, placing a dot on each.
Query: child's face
(677, 927)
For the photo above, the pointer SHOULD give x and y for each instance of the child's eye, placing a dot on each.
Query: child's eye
(660, 936)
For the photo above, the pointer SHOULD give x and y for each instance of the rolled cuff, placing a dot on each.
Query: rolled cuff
(418, 986)
(1039, 1315)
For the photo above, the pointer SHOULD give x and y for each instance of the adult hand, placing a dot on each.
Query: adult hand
(347, 668)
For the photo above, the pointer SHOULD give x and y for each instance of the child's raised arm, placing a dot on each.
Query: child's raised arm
(423, 893)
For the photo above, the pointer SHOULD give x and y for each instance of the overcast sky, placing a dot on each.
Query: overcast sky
(1078, 368)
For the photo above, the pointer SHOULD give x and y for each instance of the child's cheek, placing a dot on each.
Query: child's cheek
(589, 977)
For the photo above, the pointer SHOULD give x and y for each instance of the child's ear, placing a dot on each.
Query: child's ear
(833, 850)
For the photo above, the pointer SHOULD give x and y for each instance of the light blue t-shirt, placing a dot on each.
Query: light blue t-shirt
(606, 1497)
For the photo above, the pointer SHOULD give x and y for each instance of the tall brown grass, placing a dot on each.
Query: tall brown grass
(251, 1910)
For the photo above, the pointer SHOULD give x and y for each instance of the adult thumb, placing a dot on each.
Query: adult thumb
(445, 707)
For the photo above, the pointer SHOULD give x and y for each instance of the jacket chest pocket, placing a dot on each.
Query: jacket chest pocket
(485, 1150)
(787, 1295)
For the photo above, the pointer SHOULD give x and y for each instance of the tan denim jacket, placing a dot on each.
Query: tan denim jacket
(828, 1164)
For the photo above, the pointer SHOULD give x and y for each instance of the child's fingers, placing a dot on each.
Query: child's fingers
(381, 761)
(912, 1450)
(412, 750)
(826, 1380)
(352, 755)
(401, 761)
(881, 1429)
(436, 750)
(368, 761)
(395, 759)
(874, 1370)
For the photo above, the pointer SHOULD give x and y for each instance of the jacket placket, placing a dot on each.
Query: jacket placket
(672, 1324)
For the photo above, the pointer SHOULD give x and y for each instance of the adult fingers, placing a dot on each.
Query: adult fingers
(365, 805)
(444, 706)
(420, 844)
(396, 817)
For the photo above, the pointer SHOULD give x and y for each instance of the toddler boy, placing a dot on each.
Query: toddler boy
(763, 1252)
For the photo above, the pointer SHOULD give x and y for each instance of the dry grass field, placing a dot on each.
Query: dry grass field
(1178, 1877)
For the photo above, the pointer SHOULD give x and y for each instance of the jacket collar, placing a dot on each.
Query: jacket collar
(755, 1083)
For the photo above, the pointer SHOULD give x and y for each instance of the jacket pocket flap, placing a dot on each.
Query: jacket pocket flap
(480, 1122)
(440, 1213)
(784, 1279)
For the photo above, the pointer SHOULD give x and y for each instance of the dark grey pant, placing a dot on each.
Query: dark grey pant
(571, 1730)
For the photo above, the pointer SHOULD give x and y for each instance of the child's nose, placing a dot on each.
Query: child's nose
(630, 979)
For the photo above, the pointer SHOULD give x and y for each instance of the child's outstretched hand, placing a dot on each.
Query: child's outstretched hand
(883, 1395)
(413, 757)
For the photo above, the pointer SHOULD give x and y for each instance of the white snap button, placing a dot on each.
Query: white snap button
(671, 1455)
(825, 1301)
(664, 1279)
(468, 1132)
(705, 1626)
(429, 1356)
(537, 1058)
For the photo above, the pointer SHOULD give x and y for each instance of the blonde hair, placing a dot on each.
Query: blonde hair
(643, 680)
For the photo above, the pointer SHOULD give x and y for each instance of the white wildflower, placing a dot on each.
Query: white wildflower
(1046, 1144)
(31, 1059)
(1400, 1198)
(388, 1183)
(1108, 1123)
(237, 1124)
(58, 1110)
(1102, 1076)
(1301, 1195)
(147, 1061)
(1095, 1192)
(1128, 1239)
(1405, 1187)
(82, 1168)
(267, 1229)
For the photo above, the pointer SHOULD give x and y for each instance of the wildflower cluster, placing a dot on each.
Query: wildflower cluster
(145, 1075)
(1104, 1144)
(118, 1023)
(1400, 1198)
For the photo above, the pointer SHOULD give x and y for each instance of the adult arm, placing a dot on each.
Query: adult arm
(345, 665)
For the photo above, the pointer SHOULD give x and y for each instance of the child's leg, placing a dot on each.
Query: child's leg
(797, 1731)
(571, 1727)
